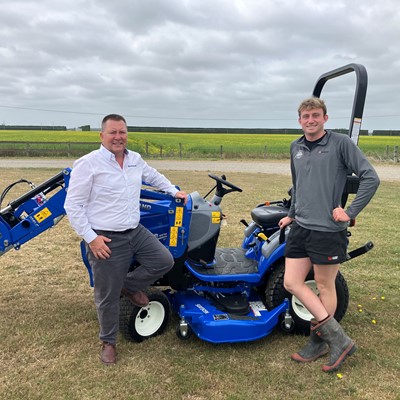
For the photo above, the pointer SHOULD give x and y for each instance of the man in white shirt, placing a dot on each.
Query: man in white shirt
(102, 205)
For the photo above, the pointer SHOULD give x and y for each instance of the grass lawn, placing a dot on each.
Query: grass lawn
(48, 325)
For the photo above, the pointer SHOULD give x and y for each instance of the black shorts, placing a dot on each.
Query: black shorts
(320, 247)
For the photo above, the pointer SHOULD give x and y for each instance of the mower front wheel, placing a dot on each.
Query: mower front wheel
(184, 335)
(140, 323)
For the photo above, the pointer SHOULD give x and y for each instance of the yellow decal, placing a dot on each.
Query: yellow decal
(42, 215)
(178, 216)
(173, 236)
(216, 217)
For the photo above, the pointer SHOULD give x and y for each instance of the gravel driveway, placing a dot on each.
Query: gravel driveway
(387, 172)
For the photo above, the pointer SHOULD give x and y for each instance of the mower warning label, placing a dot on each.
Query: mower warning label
(173, 236)
(178, 216)
(256, 307)
(42, 215)
(216, 217)
(220, 317)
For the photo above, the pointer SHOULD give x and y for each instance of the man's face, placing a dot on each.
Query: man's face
(114, 136)
(312, 122)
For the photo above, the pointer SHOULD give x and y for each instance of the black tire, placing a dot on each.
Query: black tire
(141, 323)
(184, 337)
(275, 294)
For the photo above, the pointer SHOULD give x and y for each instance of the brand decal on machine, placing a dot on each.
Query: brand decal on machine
(145, 206)
(201, 308)
(161, 236)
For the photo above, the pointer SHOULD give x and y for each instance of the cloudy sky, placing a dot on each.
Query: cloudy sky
(205, 63)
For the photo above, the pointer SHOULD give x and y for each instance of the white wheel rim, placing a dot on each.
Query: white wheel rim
(298, 307)
(150, 318)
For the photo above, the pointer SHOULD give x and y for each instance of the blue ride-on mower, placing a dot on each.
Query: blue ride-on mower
(218, 294)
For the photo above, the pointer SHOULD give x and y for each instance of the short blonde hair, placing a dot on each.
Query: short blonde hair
(311, 103)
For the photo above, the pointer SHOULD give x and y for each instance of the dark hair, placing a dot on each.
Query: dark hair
(112, 117)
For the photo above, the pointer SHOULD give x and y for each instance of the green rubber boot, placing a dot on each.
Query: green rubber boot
(339, 343)
(314, 349)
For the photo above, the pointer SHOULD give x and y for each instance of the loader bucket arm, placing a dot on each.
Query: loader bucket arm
(33, 212)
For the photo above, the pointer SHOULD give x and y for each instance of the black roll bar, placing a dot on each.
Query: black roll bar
(359, 96)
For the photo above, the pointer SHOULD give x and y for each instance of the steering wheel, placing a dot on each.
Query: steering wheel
(222, 181)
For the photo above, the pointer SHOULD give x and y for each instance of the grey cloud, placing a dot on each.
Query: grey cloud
(231, 60)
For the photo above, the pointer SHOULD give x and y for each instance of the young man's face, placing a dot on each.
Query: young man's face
(114, 136)
(312, 122)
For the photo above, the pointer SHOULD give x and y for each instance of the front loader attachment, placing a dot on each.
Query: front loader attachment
(34, 212)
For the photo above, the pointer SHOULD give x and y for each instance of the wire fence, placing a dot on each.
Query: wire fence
(215, 151)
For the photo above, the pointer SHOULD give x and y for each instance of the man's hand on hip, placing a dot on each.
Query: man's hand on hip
(99, 247)
(339, 215)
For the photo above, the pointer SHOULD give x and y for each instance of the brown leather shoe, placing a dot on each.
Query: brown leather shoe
(139, 298)
(108, 354)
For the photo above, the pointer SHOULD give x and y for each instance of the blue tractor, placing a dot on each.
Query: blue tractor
(218, 294)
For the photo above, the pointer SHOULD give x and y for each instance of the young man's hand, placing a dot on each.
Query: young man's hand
(285, 221)
(339, 215)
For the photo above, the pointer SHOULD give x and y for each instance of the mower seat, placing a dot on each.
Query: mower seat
(268, 216)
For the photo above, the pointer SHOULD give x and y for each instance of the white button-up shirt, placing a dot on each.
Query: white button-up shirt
(102, 195)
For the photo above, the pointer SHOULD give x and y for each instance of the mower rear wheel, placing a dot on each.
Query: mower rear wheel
(275, 294)
(140, 323)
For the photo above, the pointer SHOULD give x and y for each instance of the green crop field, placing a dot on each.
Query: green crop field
(189, 145)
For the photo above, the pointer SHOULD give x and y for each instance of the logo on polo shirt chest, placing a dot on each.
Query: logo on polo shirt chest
(299, 154)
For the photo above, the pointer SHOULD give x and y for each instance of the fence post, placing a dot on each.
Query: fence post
(396, 154)
(180, 150)
(147, 148)
(387, 151)
(27, 149)
(161, 151)
(265, 151)
(221, 151)
(69, 149)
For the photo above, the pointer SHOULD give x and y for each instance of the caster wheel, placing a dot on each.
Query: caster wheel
(184, 334)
